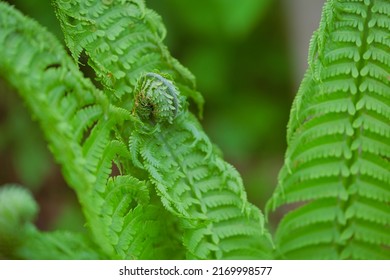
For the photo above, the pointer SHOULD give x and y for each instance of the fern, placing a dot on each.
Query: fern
(123, 40)
(194, 183)
(88, 129)
(337, 162)
(155, 100)
(174, 192)
(20, 239)
(80, 124)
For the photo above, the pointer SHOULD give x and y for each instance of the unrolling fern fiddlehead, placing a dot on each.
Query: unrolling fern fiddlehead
(157, 99)
(122, 40)
(195, 184)
(338, 157)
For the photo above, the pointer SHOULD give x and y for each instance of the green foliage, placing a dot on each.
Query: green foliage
(87, 131)
(194, 183)
(79, 124)
(338, 157)
(20, 239)
(122, 41)
(149, 181)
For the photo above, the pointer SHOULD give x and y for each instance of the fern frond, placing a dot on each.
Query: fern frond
(81, 127)
(337, 162)
(18, 209)
(123, 40)
(58, 245)
(129, 214)
(19, 239)
(197, 186)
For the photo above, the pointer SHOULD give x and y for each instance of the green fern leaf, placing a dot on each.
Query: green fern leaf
(338, 162)
(81, 128)
(58, 245)
(194, 183)
(19, 239)
(123, 40)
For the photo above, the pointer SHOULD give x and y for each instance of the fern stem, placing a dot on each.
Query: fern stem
(357, 133)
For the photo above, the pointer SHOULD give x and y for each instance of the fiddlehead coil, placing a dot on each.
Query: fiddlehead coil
(157, 99)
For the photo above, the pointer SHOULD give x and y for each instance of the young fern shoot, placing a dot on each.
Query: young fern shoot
(166, 140)
(194, 183)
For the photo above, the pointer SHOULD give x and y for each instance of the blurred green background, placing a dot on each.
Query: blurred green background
(247, 62)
